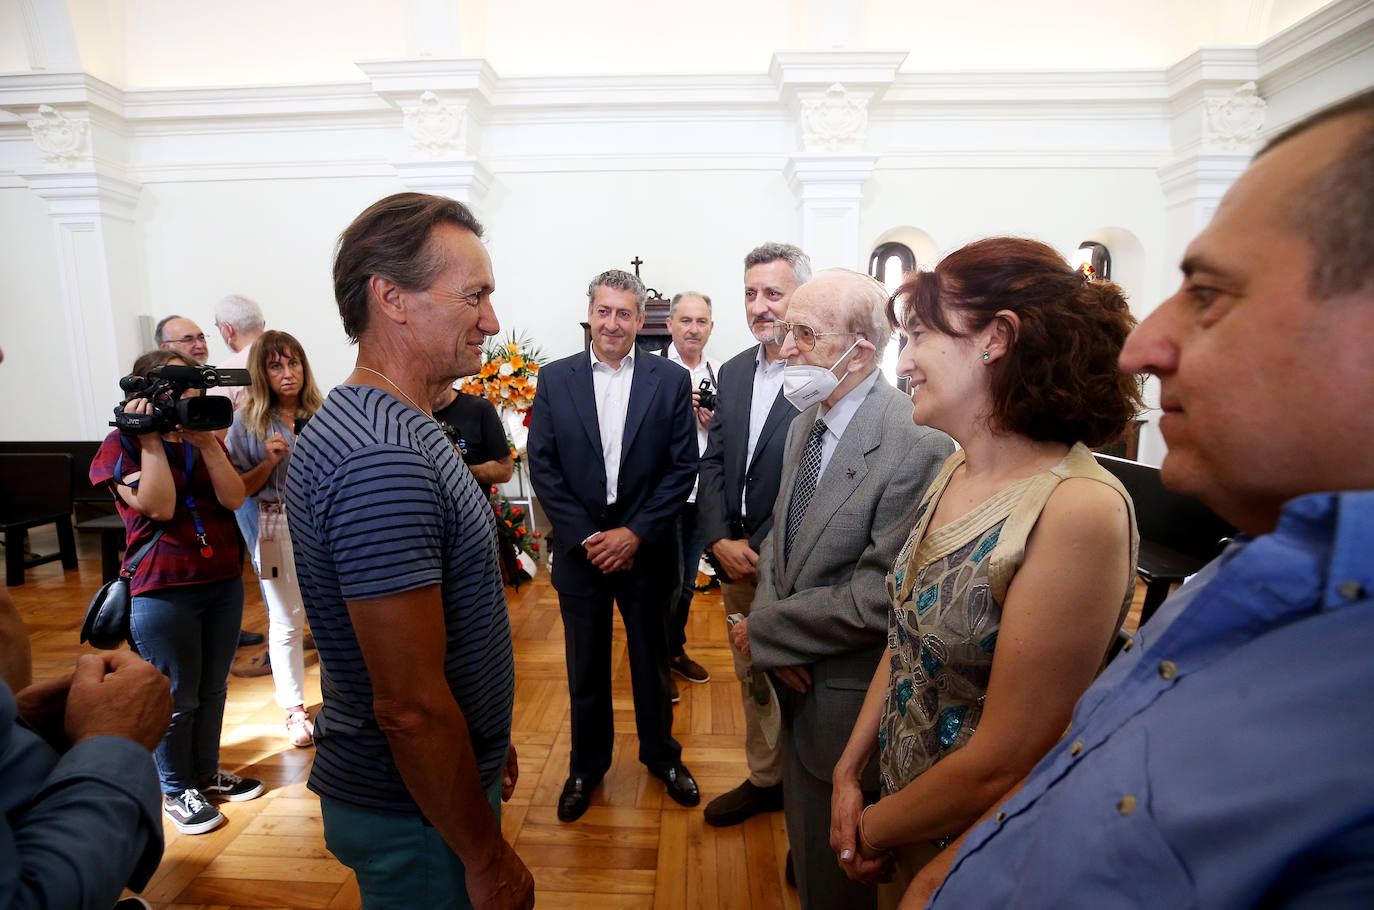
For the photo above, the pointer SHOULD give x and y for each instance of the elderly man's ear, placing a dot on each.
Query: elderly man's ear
(861, 356)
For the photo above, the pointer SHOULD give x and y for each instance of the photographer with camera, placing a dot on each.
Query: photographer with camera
(176, 490)
(690, 324)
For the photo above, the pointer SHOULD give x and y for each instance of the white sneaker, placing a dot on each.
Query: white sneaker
(189, 811)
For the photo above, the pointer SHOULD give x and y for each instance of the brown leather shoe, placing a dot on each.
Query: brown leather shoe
(689, 669)
(248, 666)
(745, 801)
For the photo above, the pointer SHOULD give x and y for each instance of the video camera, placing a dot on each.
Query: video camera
(164, 386)
(706, 395)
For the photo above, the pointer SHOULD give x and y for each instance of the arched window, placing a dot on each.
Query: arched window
(890, 262)
(1094, 260)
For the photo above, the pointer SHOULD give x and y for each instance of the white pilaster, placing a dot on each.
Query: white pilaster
(444, 104)
(101, 279)
(829, 188)
(828, 93)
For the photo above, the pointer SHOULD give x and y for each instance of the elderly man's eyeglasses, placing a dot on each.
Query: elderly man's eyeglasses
(804, 334)
(186, 339)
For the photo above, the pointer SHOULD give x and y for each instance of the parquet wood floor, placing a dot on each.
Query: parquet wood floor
(635, 848)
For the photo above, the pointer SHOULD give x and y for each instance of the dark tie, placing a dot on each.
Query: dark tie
(804, 487)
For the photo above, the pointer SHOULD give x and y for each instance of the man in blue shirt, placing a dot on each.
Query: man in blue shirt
(1227, 758)
(80, 810)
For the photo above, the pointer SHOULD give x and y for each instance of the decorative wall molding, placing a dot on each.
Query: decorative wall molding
(745, 121)
(61, 140)
(835, 121)
(436, 129)
(1233, 122)
(1327, 38)
(84, 194)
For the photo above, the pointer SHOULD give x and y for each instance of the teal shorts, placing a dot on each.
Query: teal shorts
(400, 861)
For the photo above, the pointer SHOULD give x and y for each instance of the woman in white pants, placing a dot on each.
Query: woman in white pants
(282, 396)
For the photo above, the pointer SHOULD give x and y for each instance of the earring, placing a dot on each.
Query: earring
(986, 355)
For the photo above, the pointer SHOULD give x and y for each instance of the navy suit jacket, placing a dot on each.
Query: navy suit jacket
(723, 471)
(658, 454)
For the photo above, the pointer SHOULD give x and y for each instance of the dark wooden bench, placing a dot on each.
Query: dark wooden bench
(95, 498)
(35, 490)
(82, 452)
(1178, 533)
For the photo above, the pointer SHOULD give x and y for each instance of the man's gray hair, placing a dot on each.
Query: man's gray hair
(865, 308)
(771, 252)
(159, 338)
(672, 307)
(240, 312)
(620, 281)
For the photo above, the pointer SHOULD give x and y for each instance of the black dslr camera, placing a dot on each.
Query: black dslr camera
(164, 387)
(706, 395)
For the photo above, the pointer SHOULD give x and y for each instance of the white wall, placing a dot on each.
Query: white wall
(244, 188)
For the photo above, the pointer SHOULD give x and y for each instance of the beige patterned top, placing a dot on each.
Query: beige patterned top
(947, 589)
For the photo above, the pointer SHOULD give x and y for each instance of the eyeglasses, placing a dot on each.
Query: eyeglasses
(186, 339)
(804, 334)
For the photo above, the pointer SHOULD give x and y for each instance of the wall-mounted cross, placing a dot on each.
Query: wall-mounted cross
(636, 262)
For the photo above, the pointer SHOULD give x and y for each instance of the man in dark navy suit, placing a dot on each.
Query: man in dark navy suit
(740, 473)
(613, 454)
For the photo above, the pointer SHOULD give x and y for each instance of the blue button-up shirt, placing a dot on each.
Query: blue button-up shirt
(78, 826)
(1227, 759)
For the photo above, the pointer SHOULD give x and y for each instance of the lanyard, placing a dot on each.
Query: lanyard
(205, 549)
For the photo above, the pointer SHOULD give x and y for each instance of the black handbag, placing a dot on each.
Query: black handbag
(107, 618)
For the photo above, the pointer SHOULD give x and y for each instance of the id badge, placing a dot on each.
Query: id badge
(270, 523)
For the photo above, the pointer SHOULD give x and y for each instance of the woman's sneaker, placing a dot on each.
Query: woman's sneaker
(189, 811)
(223, 785)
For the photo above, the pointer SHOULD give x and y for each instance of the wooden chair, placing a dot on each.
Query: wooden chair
(35, 490)
(1178, 533)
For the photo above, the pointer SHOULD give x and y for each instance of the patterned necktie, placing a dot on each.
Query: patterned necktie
(805, 485)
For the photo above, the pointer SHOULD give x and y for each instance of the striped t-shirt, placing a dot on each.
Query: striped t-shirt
(380, 503)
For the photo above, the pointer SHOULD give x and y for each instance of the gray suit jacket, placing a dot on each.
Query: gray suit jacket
(827, 607)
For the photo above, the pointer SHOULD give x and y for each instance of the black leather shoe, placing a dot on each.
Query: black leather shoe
(577, 796)
(745, 801)
(250, 638)
(680, 783)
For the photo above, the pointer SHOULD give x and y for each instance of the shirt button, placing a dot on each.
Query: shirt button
(1168, 669)
(1126, 805)
(1001, 817)
(1130, 643)
(1075, 748)
(1351, 590)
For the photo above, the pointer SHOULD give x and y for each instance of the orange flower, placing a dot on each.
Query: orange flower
(517, 362)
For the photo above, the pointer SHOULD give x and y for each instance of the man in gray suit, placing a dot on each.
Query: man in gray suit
(854, 472)
(739, 472)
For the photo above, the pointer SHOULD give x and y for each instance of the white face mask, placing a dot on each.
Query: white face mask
(805, 384)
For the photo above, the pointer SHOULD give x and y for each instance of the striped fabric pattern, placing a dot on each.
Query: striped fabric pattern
(381, 503)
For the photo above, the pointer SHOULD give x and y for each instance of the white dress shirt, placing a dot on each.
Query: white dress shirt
(705, 369)
(767, 382)
(838, 417)
(612, 388)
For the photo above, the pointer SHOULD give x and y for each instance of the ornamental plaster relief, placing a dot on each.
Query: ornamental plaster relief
(60, 139)
(436, 129)
(837, 121)
(1233, 123)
